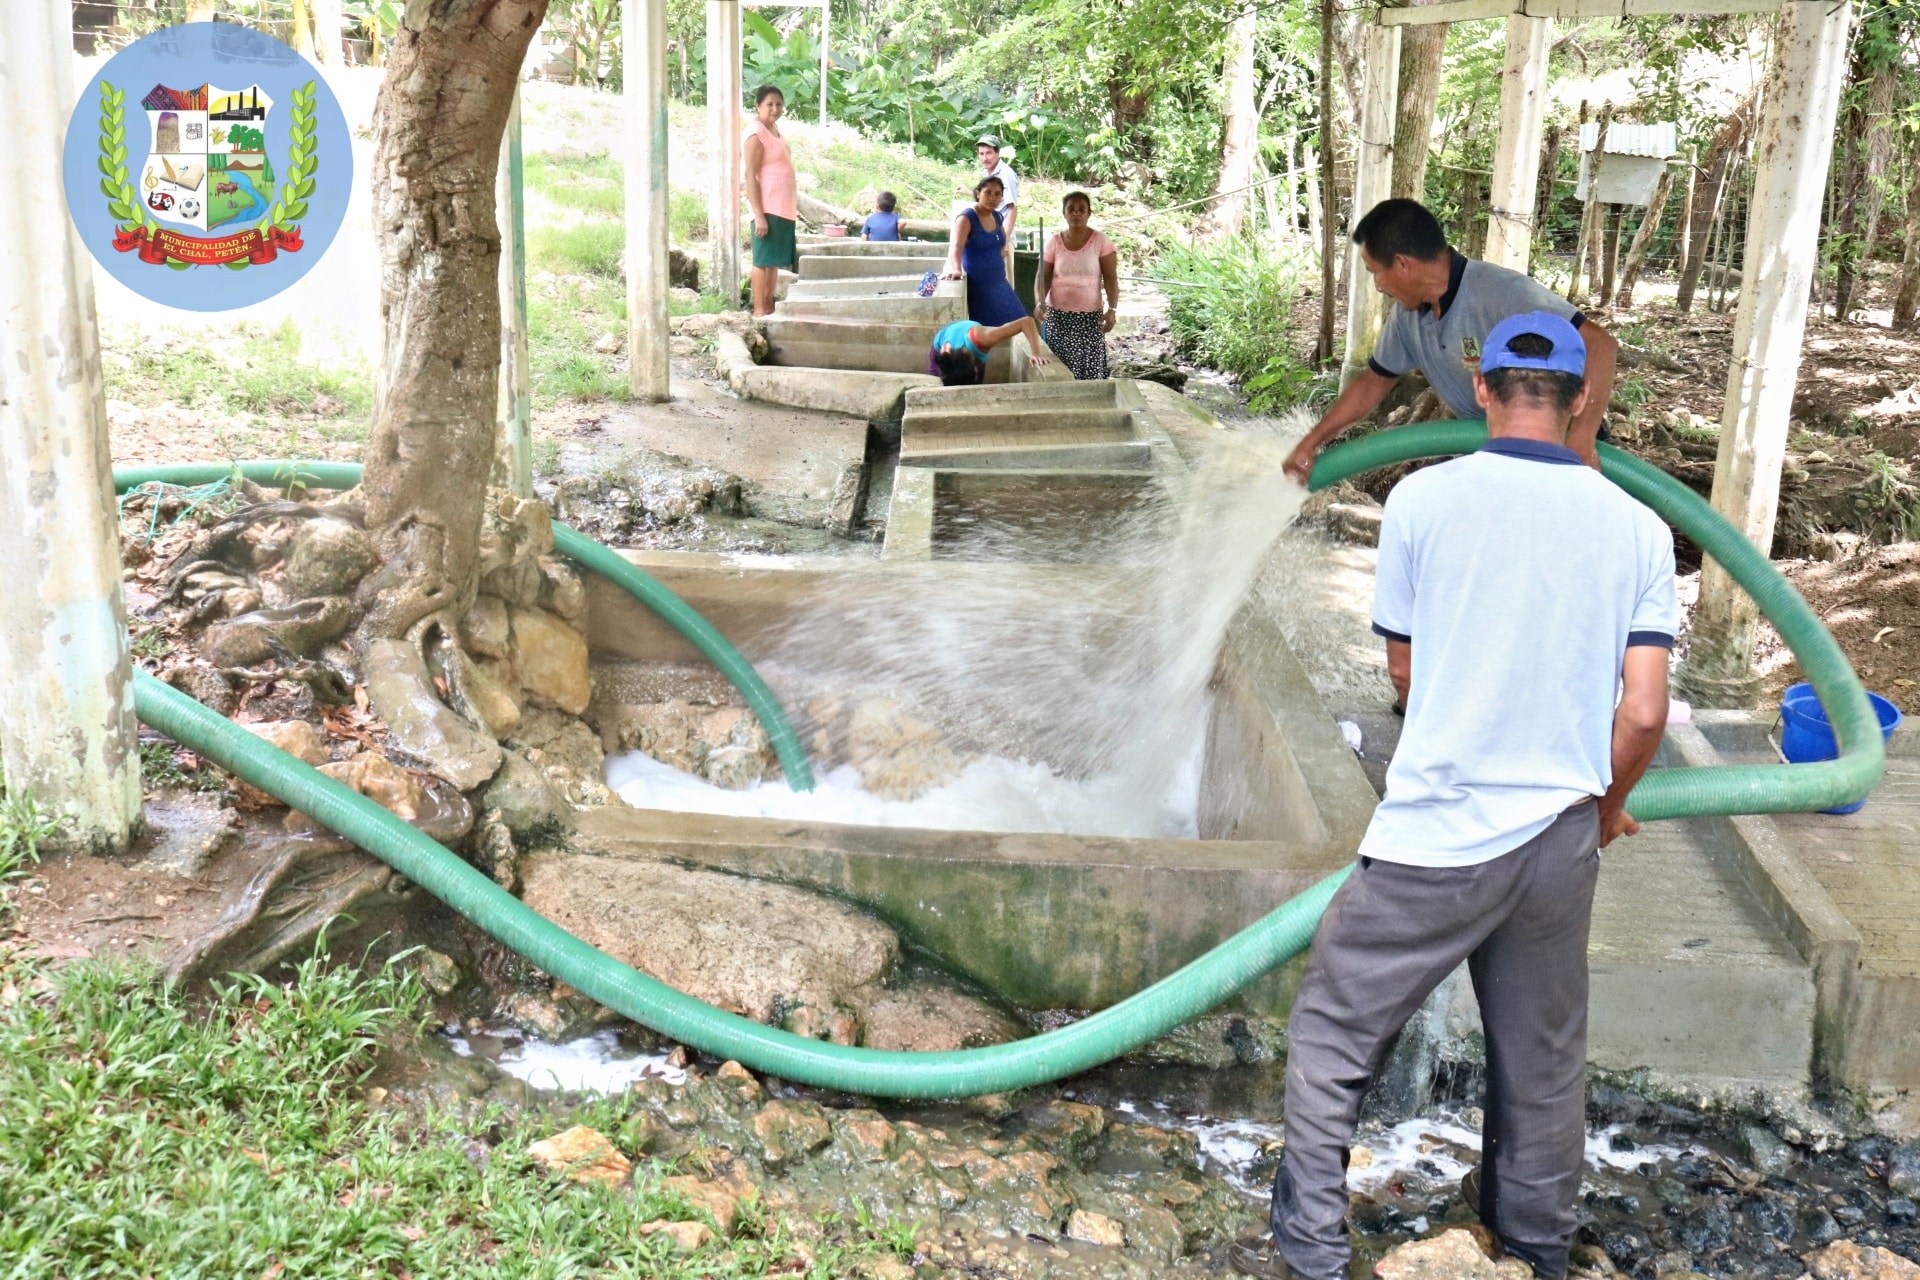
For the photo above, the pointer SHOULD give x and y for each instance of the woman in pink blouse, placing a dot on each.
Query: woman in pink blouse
(1079, 262)
(772, 194)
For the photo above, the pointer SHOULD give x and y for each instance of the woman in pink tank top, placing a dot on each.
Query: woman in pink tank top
(1077, 266)
(772, 195)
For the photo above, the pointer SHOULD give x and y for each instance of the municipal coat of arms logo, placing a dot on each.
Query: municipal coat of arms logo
(224, 166)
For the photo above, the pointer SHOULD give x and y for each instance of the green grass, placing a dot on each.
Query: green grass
(24, 827)
(267, 377)
(145, 1135)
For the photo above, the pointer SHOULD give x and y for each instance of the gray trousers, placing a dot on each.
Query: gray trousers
(1389, 936)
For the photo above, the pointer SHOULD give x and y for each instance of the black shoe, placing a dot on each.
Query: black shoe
(1258, 1258)
(1470, 1191)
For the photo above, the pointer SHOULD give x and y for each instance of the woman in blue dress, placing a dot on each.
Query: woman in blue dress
(978, 252)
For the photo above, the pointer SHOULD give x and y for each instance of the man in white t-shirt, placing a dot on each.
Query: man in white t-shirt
(1528, 610)
(992, 166)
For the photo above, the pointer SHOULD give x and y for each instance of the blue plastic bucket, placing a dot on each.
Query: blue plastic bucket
(1806, 736)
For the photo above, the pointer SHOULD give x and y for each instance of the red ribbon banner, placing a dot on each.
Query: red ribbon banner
(256, 246)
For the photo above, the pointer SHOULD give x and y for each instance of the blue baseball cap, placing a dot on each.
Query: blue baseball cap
(1569, 353)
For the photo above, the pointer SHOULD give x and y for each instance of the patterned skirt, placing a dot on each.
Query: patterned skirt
(1076, 338)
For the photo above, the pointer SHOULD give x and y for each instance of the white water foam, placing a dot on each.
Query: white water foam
(992, 793)
(598, 1063)
(1429, 1154)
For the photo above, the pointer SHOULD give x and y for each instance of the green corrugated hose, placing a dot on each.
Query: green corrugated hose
(1166, 1004)
(573, 544)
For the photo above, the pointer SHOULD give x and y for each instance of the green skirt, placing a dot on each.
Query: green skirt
(777, 247)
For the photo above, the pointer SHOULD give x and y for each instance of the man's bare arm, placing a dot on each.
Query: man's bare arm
(1639, 722)
(1400, 667)
(1360, 398)
(1603, 355)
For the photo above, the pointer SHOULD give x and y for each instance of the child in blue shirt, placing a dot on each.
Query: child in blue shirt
(882, 223)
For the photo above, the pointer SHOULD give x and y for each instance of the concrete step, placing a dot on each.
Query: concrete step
(1045, 451)
(861, 287)
(877, 397)
(828, 266)
(834, 344)
(922, 430)
(1021, 398)
(898, 308)
(838, 247)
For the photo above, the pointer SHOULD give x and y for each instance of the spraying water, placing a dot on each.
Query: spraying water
(1080, 690)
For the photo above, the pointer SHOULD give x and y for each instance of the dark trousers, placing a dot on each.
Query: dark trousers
(1389, 936)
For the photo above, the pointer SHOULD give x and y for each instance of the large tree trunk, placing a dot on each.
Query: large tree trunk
(1240, 130)
(1643, 240)
(1421, 47)
(438, 122)
(1706, 197)
(1906, 303)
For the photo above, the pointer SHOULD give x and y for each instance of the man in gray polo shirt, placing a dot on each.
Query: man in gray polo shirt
(1448, 303)
(1528, 609)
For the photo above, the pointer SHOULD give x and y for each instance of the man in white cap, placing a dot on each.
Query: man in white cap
(992, 166)
(1528, 609)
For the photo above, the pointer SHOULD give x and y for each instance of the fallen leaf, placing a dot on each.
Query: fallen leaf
(413, 1233)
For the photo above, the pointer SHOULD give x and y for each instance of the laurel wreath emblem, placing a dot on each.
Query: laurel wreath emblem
(289, 206)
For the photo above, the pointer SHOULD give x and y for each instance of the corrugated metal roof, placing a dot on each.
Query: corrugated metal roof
(1657, 140)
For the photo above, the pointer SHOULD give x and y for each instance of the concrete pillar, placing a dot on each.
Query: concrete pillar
(1372, 183)
(516, 370)
(1799, 102)
(327, 29)
(200, 10)
(1516, 162)
(645, 26)
(67, 735)
(723, 148)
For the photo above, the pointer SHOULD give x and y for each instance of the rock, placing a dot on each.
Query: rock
(538, 1014)
(486, 686)
(935, 1020)
(1705, 1227)
(298, 738)
(747, 946)
(582, 1155)
(394, 789)
(494, 854)
(606, 344)
(561, 589)
(686, 1236)
(898, 756)
(870, 1135)
(1354, 523)
(1845, 1260)
(1770, 1214)
(791, 1130)
(485, 628)
(568, 752)
(684, 296)
(710, 1198)
(1764, 1149)
(683, 270)
(513, 530)
(1451, 1255)
(398, 688)
(524, 799)
(550, 661)
(205, 686)
(327, 557)
(740, 1082)
(1818, 1226)
(1096, 1228)
(725, 745)
(698, 326)
(265, 635)
(1903, 1169)
(438, 973)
